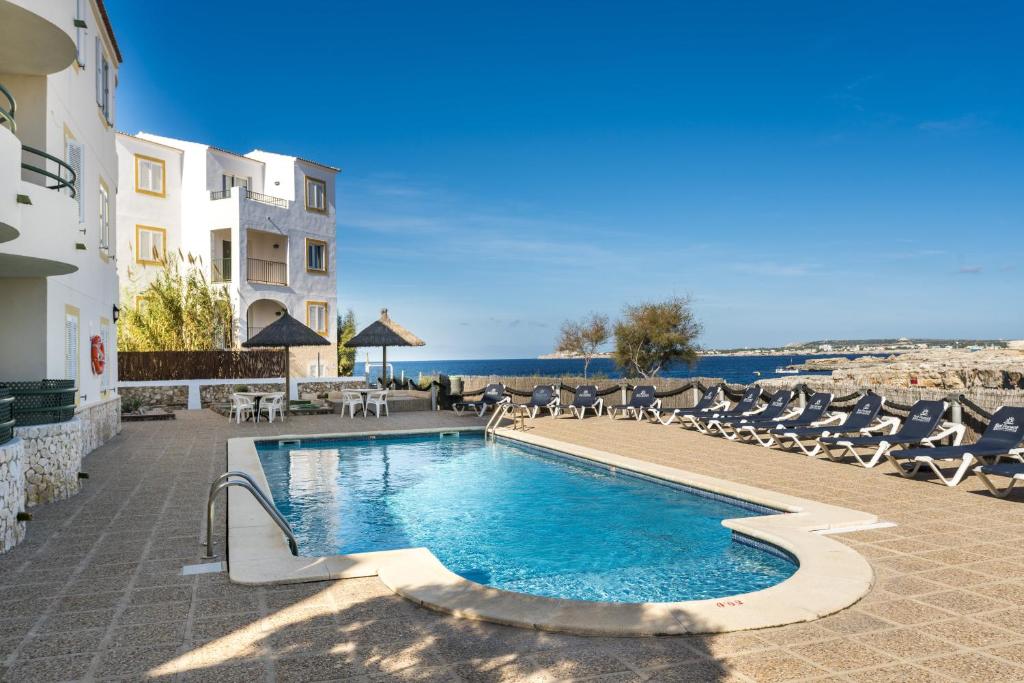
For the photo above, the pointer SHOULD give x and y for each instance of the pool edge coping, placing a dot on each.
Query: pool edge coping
(831, 575)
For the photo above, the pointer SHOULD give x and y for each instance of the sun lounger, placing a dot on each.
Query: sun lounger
(544, 396)
(777, 408)
(1014, 471)
(1003, 436)
(586, 399)
(747, 405)
(494, 394)
(710, 400)
(640, 402)
(815, 410)
(917, 430)
(860, 420)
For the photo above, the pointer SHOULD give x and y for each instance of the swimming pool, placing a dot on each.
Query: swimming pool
(518, 518)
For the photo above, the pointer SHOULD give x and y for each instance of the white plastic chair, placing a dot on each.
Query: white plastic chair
(273, 403)
(241, 408)
(352, 400)
(378, 400)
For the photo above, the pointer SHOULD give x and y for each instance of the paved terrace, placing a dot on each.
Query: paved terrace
(95, 593)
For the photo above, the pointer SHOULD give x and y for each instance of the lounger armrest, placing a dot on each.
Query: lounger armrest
(1016, 454)
(833, 418)
(891, 423)
(721, 405)
(794, 412)
(946, 429)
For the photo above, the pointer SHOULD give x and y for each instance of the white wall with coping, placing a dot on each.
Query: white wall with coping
(194, 385)
(12, 493)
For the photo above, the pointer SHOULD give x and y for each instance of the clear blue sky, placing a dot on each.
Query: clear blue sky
(804, 170)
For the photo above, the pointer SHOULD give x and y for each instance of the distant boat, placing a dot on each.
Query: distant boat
(786, 371)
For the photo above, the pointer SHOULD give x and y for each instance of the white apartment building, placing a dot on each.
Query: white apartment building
(260, 224)
(58, 179)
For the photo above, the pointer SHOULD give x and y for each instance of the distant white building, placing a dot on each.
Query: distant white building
(261, 224)
(58, 172)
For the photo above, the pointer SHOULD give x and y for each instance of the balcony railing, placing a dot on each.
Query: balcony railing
(7, 110)
(64, 177)
(220, 270)
(267, 272)
(253, 196)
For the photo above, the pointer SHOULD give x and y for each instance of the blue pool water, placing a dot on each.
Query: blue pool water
(516, 518)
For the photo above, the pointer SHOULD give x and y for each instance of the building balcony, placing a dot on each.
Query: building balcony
(38, 36)
(249, 195)
(267, 272)
(220, 270)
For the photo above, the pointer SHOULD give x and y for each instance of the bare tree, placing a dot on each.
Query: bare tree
(652, 335)
(584, 338)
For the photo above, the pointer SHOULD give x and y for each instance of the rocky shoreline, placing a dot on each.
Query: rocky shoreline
(929, 368)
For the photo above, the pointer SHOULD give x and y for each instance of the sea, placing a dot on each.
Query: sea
(733, 369)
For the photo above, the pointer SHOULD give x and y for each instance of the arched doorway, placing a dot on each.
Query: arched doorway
(261, 313)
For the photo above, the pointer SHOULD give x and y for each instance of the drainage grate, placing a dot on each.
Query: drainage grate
(206, 568)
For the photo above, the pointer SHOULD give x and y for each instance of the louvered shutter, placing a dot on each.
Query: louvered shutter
(71, 349)
(76, 160)
(81, 34)
(99, 73)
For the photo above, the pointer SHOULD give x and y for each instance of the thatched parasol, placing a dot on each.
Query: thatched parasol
(384, 332)
(286, 332)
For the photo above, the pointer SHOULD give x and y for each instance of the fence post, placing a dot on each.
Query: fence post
(433, 396)
(956, 411)
(801, 392)
(622, 394)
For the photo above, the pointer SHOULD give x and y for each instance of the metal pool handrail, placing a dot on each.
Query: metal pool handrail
(250, 485)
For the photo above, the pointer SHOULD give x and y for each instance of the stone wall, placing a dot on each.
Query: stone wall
(169, 397)
(325, 385)
(53, 459)
(12, 493)
(100, 423)
(221, 393)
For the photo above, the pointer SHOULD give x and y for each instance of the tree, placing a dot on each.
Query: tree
(346, 356)
(652, 335)
(178, 311)
(583, 338)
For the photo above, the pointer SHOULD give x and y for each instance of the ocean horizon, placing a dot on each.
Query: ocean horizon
(733, 369)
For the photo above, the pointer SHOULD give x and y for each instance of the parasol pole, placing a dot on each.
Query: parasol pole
(384, 369)
(287, 382)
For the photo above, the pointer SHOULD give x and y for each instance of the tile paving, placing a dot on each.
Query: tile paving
(95, 592)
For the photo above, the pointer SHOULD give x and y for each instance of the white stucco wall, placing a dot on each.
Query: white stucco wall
(52, 110)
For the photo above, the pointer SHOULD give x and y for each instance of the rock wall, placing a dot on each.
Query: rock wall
(100, 423)
(325, 385)
(169, 397)
(12, 493)
(221, 393)
(53, 459)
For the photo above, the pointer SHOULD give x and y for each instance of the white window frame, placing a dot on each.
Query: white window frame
(322, 196)
(312, 306)
(145, 257)
(145, 169)
(104, 216)
(102, 80)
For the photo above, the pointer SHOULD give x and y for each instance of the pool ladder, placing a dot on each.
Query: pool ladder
(246, 482)
(500, 412)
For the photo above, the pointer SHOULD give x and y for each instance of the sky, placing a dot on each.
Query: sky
(801, 170)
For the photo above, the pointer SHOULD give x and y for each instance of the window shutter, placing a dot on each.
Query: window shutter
(76, 160)
(99, 72)
(71, 350)
(82, 34)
